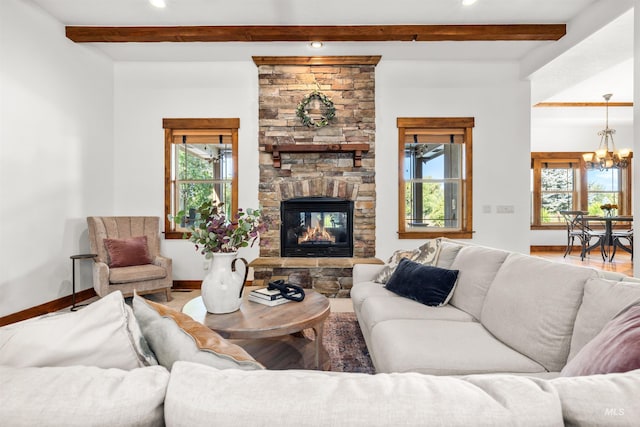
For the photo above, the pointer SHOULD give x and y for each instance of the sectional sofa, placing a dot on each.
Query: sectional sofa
(508, 313)
(108, 364)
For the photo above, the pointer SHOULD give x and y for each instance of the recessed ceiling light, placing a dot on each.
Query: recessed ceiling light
(158, 3)
(316, 45)
(468, 2)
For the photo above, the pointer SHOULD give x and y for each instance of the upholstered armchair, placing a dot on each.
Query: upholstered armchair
(128, 249)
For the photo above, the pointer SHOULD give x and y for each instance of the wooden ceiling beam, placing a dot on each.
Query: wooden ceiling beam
(316, 60)
(349, 33)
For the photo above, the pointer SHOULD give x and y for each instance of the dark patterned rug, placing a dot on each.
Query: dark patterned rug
(345, 344)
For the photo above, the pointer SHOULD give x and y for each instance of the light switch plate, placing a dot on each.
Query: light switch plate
(505, 209)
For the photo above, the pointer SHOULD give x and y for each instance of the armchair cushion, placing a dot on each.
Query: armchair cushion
(128, 252)
(136, 273)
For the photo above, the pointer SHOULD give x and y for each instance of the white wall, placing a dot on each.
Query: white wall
(145, 93)
(491, 93)
(56, 133)
(82, 136)
(636, 121)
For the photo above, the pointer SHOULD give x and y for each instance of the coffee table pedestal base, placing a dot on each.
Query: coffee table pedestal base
(288, 352)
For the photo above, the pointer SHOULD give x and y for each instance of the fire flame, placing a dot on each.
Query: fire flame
(316, 234)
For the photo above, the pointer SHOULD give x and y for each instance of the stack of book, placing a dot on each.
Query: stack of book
(270, 297)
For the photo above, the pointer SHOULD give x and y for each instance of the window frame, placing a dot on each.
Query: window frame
(409, 126)
(227, 125)
(581, 201)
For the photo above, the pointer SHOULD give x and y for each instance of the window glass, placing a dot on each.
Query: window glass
(435, 187)
(603, 187)
(204, 173)
(201, 163)
(432, 180)
(562, 181)
(557, 187)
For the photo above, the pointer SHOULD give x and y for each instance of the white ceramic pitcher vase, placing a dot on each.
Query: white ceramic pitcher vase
(223, 285)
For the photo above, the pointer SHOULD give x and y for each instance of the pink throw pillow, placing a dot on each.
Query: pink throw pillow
(128, 252)
(615, 349)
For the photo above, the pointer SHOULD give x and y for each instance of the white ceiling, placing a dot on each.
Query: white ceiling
(601, 60)
(302, 12)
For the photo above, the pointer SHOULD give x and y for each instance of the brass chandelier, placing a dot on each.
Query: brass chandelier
(607, 155)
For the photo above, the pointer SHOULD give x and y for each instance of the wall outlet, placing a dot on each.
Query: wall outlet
(505, 209)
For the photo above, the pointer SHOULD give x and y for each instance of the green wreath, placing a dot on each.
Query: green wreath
(330, 113)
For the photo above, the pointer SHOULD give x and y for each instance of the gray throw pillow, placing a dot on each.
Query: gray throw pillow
(425, 255)
(174, 336)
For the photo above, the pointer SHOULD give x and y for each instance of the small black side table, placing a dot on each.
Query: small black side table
(74, 307)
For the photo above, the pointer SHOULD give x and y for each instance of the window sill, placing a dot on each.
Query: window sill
(549, 227)
(173, 235)
(435, 234)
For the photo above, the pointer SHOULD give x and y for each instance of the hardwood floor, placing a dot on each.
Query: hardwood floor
(621, 263)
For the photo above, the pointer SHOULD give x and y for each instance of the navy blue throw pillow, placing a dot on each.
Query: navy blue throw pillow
(423, 283)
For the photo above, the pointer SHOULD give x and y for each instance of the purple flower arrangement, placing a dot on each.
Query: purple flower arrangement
(211, 231)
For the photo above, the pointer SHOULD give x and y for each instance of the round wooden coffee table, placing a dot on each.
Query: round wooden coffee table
(272, 335)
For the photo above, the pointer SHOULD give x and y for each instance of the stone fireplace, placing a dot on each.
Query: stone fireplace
(334, 162)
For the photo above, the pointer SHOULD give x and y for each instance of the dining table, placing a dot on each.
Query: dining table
(609, 242)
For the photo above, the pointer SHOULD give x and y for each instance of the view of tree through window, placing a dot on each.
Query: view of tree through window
(204, 173)
(561, 181)
(432, 180)
(603, 187)
(557, 193)
(435, 177)
(201, 164)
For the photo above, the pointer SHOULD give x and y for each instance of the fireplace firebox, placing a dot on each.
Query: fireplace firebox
(316, 227)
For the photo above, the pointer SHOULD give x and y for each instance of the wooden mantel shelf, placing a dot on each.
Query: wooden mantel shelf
(356, 149)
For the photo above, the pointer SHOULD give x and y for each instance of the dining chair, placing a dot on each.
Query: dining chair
(617, 235)
(577, 227)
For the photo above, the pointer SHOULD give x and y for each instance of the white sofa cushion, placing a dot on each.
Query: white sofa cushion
(363, 290)
(175, 336)
(603, 300)
(379, 309)
(443, 347)
(600, 400)
(82, 396)
(447, 253)
(376, 309)
(103, 334)
(477, 268)
(199, 395)
(532, 305)
(366, 272)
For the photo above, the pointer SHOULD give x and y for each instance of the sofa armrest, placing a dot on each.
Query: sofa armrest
(366, 272)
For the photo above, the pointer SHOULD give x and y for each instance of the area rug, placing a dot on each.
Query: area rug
(345, 344)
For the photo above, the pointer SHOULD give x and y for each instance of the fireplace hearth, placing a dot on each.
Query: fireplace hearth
(316, 227)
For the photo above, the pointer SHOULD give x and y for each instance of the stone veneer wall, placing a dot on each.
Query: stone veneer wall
(352, 90)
